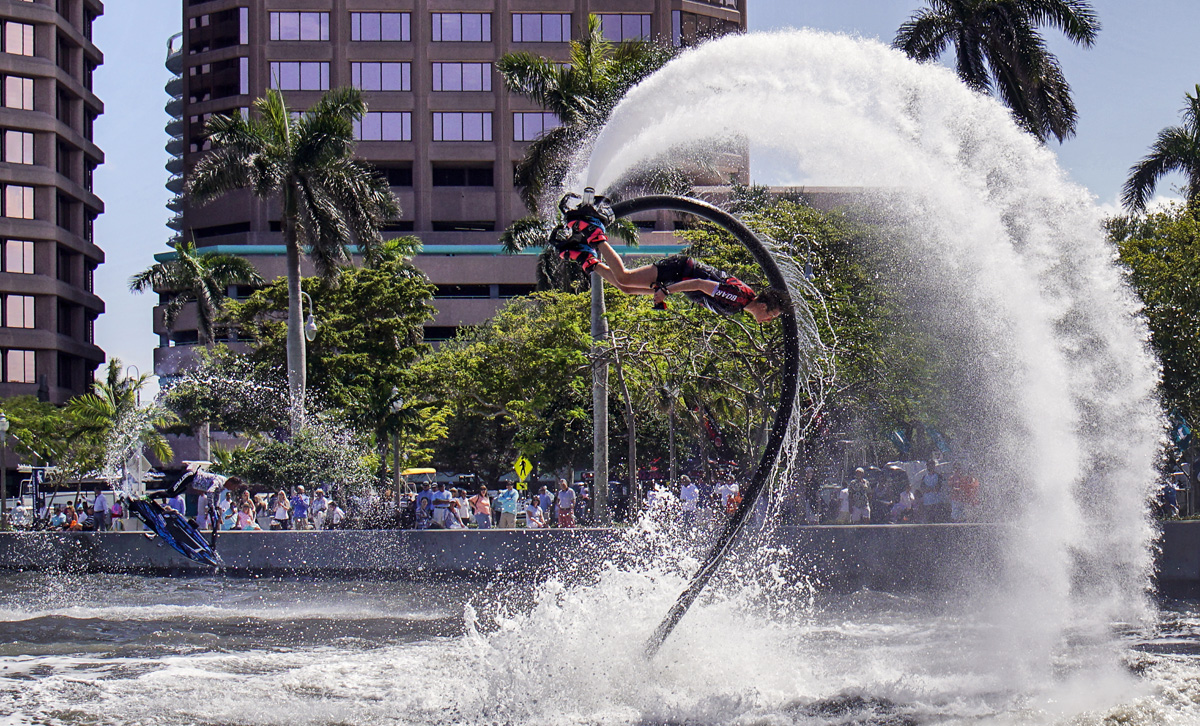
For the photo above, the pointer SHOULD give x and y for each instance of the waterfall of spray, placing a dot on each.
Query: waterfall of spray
(1003, 257)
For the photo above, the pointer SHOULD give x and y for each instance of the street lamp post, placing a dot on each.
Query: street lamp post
(397, 405)
(3, 471)
(310, 323)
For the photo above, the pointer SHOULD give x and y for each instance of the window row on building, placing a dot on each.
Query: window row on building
(451, 125)
(453, 27)
(380, 76)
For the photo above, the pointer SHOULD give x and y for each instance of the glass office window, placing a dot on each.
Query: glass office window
(380, 26)
(18, 256)
(462, 126)
(527, 126)
(300, 26)
(18, 201)
(18, 147)
(19, 366)
(462, 76)
(18, 38)
(541, 27)
(300, 75)
(462, 27)
(619, 27)
(18, 93)
(18, 311)
(381, 76)
(384, 126)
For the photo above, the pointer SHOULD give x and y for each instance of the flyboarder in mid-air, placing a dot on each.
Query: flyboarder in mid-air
(582, 238)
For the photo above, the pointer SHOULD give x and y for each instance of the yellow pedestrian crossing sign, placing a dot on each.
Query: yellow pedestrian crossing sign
(522, 467)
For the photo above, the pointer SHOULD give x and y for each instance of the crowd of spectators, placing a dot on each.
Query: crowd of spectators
(438, 506)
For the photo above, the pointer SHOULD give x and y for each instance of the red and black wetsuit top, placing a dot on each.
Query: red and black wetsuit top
(731, 296)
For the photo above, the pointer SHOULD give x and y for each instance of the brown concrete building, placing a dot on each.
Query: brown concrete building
(47, 206)
(440, 124)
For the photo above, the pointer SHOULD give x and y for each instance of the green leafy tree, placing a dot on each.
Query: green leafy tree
(328, 199)
(315, 457)
(1161, 251)
(200, 277)
(999, 50)
(1177, 149)
(515, 385)
(368, 338)
(48, 435)
(111, 413)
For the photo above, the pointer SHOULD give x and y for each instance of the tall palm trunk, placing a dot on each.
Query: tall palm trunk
(630, 427)
(599, 404)
(297, 373)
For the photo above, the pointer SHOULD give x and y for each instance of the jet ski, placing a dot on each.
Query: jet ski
(176, 531)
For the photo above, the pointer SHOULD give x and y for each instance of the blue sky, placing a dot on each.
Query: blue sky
(1127, 87)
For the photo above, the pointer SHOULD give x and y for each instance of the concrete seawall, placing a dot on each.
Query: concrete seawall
(885, 557)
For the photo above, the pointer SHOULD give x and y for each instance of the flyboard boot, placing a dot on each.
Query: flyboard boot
(583, 227)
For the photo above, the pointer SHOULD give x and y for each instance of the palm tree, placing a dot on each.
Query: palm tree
(113, 412)
(1176, 149)
(329, 200)
(203, 278)
(999, 50)
(582, 94)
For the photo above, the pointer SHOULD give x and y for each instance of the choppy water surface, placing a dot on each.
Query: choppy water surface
(102, 649)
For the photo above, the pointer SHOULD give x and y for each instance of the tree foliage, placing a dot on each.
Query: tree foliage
(368, 337)
(1161, 252)
(1177, 149)
(999, 50)
(200, 277)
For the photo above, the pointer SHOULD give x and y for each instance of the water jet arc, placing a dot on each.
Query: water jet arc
(787, 393)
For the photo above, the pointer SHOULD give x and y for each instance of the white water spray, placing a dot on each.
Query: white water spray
(1006, 258)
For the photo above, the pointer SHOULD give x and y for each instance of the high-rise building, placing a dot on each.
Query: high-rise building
(48, 254)
(440, 124)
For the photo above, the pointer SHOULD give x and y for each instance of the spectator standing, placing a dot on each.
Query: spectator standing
(859, 495)
(440, 500)
(316, 510)
(812, 496)
(565, 505)
(281, 511)
(100, 507)
(964, 494)
(690, 496)
(463, 506)
(20, 516)
(300, 509)
(424, 502)
(333, 516)
(546, 502)
(905, 508)
(843, 506)
(726, 491)
(481, 507)
(508, 501)
(533, 514)
(177, 503)
(933, 495)
(583, 501)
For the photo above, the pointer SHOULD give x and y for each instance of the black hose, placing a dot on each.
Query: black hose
(787, 394)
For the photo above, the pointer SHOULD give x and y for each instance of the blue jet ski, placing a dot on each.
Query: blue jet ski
(176, 531)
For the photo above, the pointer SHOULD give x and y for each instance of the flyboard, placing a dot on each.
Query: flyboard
(787, 395)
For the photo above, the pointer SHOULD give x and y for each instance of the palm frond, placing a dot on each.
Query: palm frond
(524, 233)
(1169, 153)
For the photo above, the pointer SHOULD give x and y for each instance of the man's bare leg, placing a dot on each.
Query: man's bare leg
(640, 277)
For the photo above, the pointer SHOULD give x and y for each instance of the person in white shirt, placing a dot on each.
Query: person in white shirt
(19, 516)
(726, 490)
(333, 515)
(533, 514)
(101, 509)
(690, 496)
